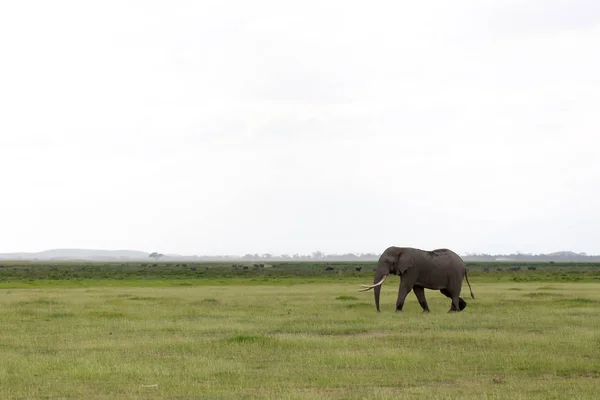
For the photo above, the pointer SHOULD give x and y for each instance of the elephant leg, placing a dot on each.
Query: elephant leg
(402, 293)
(461, 304)
(420, 293)
(456, 301)
(454, 307)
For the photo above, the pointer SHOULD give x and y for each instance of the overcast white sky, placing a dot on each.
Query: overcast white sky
(228, 127)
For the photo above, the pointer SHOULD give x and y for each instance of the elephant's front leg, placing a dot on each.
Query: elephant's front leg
(403, 291)
(420, 293)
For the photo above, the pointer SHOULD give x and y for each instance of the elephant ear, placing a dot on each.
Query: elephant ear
(404, 262)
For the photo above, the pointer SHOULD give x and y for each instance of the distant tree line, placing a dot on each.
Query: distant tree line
(561, 256)
(321, 256)
(314, 256)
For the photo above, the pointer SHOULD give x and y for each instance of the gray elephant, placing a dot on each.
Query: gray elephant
(440, 269)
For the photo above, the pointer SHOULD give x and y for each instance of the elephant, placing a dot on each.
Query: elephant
(439, 269)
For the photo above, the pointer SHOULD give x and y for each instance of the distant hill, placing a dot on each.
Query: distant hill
(78, 254)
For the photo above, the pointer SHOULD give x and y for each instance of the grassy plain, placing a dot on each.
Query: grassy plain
(296, 337)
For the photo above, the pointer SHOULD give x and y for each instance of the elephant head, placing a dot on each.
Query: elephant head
(394, 260)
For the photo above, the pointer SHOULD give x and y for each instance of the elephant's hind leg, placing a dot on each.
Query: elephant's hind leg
(420, 293)
(455, 305)
(458, 304)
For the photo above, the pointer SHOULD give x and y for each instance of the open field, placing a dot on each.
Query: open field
(288, 338)
(32, 273)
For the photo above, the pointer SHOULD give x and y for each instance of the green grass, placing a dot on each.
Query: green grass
(291, 341)
(46, 273)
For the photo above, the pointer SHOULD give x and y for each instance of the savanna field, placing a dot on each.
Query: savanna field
(293, 331)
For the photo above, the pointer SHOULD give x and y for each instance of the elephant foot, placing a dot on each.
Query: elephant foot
(451, 311)
(426, 311)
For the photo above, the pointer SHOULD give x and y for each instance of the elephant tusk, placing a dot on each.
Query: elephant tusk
(369, 287)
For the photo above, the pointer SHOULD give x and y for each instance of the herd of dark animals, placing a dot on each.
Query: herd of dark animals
(513, 269)
(486, 269)
(327, 268)
(237, 266)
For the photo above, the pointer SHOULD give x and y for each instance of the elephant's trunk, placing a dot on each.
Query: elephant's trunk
(376, 292)
(379, 278)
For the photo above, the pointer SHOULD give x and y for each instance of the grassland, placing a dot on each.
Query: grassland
(32, 273)
(291, 333)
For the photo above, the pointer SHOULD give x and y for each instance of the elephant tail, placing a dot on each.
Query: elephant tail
(470, 290)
